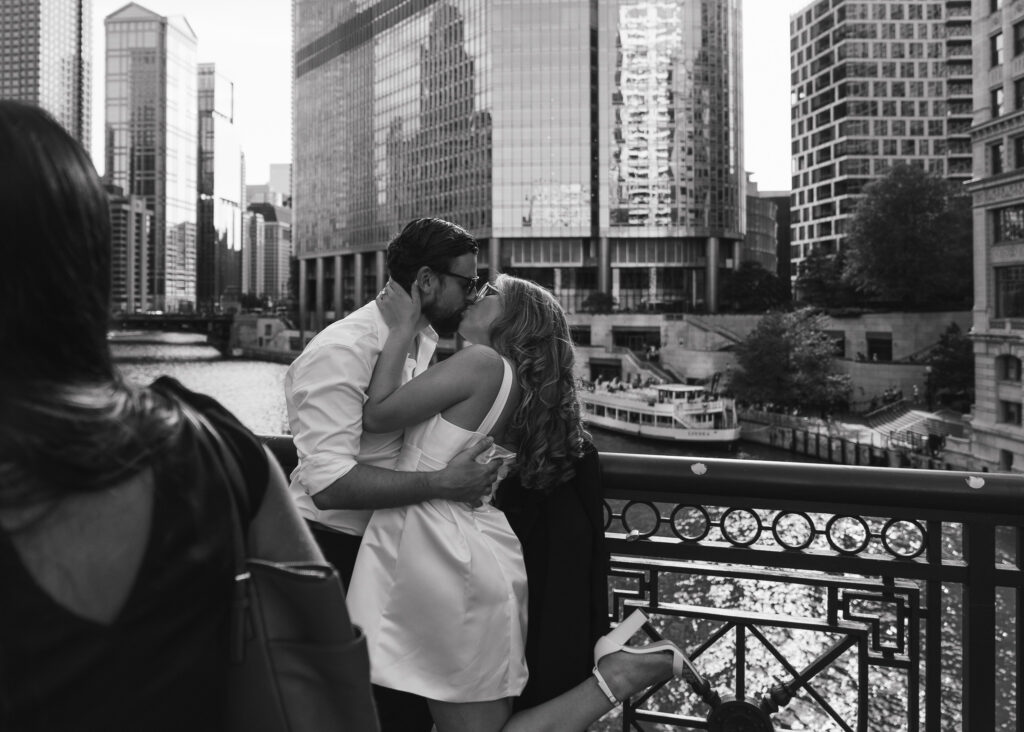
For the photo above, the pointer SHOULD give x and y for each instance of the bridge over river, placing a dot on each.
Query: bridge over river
(216, 328)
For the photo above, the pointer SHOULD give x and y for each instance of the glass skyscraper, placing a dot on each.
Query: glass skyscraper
(46, 59)
(590, 145)
(151, 142)
(219, 212)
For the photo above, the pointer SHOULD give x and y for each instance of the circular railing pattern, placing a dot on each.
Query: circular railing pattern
(793, 530)
(790, 530)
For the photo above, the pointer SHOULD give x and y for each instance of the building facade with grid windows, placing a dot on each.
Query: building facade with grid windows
(874, 83)
(46, 59)
(267, 267)
(997, 434)
(131, 226)
(589, 145)
(151, 141)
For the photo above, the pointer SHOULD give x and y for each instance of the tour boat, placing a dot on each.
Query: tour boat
(677, 412)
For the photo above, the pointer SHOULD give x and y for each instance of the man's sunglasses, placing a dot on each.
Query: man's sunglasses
(471, 282)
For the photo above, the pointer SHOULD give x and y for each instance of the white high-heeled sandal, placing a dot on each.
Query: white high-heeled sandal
(616, 641)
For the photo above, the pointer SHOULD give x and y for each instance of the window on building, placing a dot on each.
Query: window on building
(543, 276)
(1009, 294)
(995, 156)
(1009, 413)
(1008, 368)
(995, 50)
(995, 46)
(1008, 224)
(1018, 38)
(879, 346)
(996, 101)
(994, 5)
(1018, 94)
(838, 338)
(1018, 152)
(580, 334)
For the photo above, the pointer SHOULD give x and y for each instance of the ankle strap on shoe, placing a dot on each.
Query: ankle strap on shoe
(603, 686)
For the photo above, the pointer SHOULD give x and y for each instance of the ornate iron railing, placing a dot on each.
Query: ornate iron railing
(818, 597)
(821, 597)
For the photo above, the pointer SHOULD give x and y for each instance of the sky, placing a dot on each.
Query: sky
(250, 41)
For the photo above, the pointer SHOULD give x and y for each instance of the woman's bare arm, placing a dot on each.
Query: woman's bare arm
(277, 532)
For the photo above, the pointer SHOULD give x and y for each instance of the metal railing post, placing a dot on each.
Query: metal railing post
(979, 649)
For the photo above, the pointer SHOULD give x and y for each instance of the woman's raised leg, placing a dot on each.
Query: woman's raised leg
(625, 673)
(489, 716)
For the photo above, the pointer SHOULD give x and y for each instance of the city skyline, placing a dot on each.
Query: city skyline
(251, 44)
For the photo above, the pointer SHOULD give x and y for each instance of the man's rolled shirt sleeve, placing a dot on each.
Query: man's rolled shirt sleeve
(326, 397)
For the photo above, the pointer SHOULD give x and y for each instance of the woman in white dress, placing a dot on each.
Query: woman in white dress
(439, 587)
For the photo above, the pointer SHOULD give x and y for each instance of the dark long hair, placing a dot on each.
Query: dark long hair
(67, 422)
(547, 426)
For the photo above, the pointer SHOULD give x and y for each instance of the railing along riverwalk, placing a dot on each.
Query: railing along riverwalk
(818, 597)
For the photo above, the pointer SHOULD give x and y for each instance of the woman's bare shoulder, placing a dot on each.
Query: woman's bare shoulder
(476, 356)
(475, 364)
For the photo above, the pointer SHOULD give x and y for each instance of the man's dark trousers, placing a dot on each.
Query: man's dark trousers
(398, 711)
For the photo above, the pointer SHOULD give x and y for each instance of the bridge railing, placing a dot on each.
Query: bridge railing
(818, 597)
(835, 597)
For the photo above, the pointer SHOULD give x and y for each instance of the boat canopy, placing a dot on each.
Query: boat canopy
(668, 392)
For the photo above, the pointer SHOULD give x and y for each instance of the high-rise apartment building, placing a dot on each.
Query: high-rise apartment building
(997, 440)
(268, 267)
(150, 138)
(219, 203)
(131, 227)
(590, 146)
(253, 252)
(761, 243)
(874, 83)
(46, 59)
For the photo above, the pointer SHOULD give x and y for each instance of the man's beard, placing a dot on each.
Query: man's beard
(446, 324)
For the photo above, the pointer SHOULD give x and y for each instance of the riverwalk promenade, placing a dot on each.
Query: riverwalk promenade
(900, 440)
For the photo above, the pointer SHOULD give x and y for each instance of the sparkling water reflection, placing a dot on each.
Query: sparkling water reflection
(252, 390)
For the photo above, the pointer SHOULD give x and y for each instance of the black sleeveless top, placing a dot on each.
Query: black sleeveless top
(562, 533)
(161, 663)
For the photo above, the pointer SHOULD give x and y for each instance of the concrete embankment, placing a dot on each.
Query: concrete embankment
(835, 442)
(267, 354)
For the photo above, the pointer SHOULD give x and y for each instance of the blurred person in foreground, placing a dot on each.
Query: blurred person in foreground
(116, 561)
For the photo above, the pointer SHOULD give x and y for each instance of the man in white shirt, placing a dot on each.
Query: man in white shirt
(343, 474)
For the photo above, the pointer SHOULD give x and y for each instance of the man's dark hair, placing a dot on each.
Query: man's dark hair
(430, 243)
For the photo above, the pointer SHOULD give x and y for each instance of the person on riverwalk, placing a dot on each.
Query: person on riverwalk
(344, 471)
(116, 555)
(439, 587)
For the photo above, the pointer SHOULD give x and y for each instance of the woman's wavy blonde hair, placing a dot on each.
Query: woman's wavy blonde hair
(533, 334)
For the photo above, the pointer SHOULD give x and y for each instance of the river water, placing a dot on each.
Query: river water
(254, 392)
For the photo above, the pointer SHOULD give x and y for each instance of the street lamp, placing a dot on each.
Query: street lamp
(928, 386)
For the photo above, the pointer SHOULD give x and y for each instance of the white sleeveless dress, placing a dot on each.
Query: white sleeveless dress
(439, 588)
